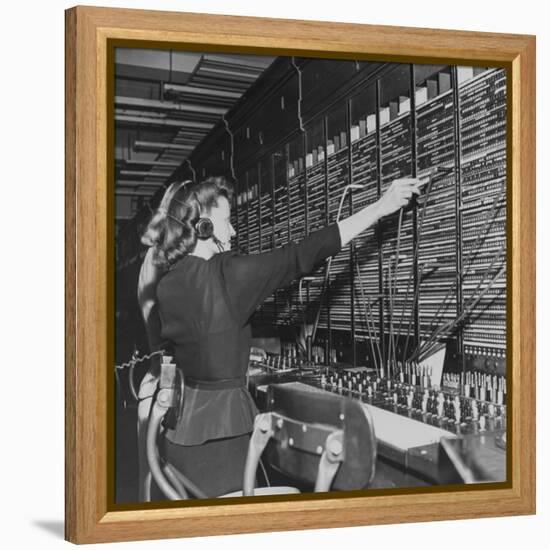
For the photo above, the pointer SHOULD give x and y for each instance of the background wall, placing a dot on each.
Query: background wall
(32, 105)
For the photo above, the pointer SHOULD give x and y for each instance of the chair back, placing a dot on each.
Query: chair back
(304, 416)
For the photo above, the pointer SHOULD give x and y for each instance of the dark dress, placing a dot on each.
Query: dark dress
(205, 306)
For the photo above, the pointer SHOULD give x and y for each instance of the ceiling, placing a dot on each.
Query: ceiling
(166, 102)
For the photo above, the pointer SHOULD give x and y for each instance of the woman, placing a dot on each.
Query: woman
(205, 301)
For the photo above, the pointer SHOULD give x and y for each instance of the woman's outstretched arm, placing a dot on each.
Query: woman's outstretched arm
(250, 279)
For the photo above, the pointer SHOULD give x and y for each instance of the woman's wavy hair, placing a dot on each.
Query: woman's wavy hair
(171, 230)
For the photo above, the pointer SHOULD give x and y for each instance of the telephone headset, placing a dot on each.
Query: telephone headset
(204, 227)
(205, 230)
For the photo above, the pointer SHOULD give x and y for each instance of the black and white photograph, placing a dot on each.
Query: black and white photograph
(310, 275)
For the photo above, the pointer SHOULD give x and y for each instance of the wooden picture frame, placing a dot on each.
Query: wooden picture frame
(89, 514)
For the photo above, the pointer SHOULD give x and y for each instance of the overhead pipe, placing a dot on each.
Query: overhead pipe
(179, 88)
(159, 145)
(144, 173)
(167, 164)
(169, 105)
(209, 72)
(251, 62)
(186, 137)
(138, 183)
(157, 114)
(164, 121)
(135, 192)
(236, 69)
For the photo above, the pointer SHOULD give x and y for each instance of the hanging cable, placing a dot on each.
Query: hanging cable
(188, 162)
(329, 261)
(131, 365)
(265, 473)
(415, 299)
(420, 350)
(367, 319)
(429, 346)
(431, 175)
(136, 359)
(299, 104)
(394, 292)
(232, 144)
(489, 220)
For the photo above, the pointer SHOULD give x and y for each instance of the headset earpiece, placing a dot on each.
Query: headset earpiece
(204, 228)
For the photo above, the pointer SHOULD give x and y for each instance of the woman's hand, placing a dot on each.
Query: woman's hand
(398, 195)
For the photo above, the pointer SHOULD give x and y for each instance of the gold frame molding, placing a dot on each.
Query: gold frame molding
(90, 516)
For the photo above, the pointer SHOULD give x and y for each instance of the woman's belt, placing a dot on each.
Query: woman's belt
(221, 384)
